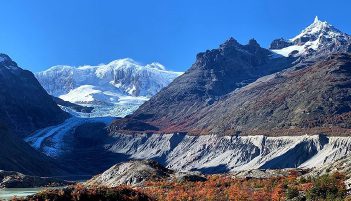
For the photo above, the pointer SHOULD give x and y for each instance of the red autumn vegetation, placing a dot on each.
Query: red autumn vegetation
(224, 188)
(80, 193)
(216, 188)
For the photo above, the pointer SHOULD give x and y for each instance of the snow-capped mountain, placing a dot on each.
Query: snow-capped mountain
(317, 39)
(121, 83)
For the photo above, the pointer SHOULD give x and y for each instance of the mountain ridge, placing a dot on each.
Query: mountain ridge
(199, 91)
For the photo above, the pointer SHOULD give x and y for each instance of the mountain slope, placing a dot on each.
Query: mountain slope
(310, 100)
(214, 74)
(24, 108)
(24, 104)
(122, 83)
(210, 98)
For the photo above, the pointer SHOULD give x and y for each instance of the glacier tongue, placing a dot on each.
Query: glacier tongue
(230, 153)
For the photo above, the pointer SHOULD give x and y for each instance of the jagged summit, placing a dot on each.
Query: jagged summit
(253, 42)
(316, 30)
(316, 19)
(231, 42)
(319, 38)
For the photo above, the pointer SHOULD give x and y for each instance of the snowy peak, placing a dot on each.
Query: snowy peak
(124, 82)
(129, 76)
(318, 39)
(316, 30)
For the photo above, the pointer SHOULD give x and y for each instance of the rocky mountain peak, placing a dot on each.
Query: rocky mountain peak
(231, 42)
(253, 42)
(4, 57)
(7, 63)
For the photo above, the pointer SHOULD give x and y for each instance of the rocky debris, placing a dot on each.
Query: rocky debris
(24, 104)
(342, 165)
(9, 179)
(136, 172)
(131, 173)
(267, 173)
(348, 183)
(189, 177)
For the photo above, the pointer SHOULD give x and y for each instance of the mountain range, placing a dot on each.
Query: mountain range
(237, 107)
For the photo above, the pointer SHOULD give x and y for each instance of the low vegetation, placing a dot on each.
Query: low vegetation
(223, 188)
(216, 188)
(80, 193)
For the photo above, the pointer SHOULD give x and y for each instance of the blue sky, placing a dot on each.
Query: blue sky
(41, 33)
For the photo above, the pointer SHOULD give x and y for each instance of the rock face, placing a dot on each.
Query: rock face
(24, 104)
(130, 173)
(17, 180)
(214, 75)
